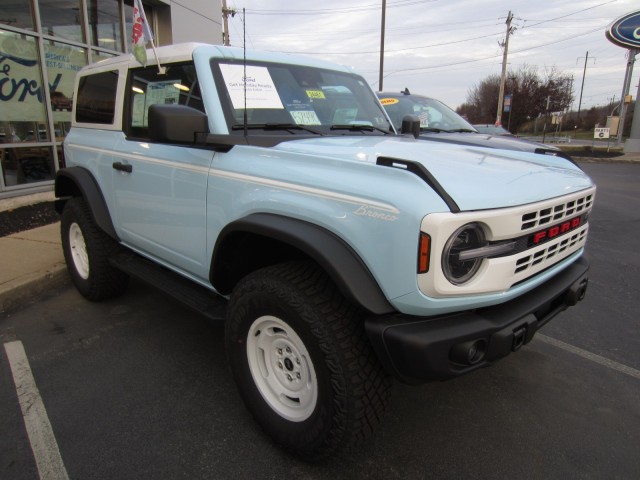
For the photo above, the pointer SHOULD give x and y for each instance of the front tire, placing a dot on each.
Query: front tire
(301, 360)
(87, 250)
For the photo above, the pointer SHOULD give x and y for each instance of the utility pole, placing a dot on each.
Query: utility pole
(546, 114)
(584, 72)
(504, 69)
(226, 40)
(384, 9)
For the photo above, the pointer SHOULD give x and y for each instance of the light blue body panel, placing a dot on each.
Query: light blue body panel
(477, 178)
(333, 182)
(177, 199)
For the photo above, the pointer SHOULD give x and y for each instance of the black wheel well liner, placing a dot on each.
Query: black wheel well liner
(263, 239)
(80, 182)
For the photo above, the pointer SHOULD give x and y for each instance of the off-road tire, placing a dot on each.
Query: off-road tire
(87, 250)
(325, 333)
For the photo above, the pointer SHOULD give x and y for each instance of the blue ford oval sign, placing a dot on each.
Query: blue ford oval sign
(625, 32)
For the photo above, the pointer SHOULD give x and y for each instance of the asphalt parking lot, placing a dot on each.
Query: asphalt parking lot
(138, 387)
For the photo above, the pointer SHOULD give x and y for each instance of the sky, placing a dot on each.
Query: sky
(444, 48)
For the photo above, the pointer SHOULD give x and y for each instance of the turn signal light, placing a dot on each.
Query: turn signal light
(424, 251)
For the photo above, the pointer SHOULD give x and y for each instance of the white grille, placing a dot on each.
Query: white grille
(556, 213)
(551, 250)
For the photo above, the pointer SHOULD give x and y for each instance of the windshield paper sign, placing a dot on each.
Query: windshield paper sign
(260, 89)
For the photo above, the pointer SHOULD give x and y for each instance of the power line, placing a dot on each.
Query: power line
(334, 11)
(492, 56)
(569, 14)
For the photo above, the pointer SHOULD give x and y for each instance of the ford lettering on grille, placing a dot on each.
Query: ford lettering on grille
(552, 232)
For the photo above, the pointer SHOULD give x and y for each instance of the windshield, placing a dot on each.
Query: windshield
(297, 99)
(434, 115)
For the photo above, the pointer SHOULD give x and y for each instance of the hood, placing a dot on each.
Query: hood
(476, 178)
(490, 141)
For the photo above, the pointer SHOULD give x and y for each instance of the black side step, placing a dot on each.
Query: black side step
(195, 296)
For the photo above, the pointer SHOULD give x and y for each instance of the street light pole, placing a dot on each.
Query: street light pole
(384, 9)
(631, 59)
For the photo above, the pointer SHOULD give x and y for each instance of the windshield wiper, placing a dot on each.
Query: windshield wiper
(359, 128)
(461, 130)
(432, 129)
(275, 126)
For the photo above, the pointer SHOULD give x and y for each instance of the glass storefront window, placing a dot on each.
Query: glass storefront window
(26, 165)
(21, 92)
(30, 139)
(62, 64)
(22, 112)
(17, 13)
(104, 24)
(61, 18)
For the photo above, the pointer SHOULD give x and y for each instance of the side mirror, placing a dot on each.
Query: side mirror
(411, 124)
(176, 123)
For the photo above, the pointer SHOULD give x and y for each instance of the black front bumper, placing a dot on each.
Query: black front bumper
(421, 349)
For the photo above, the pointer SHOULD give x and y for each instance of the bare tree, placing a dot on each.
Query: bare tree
(531, 93)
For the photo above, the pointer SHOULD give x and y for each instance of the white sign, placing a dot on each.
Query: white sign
(305, 117)
(260, 90)
(601, 133)
(21, 89)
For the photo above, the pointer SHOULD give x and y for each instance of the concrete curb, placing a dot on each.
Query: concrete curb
(32, 265)
(20, 291)
(620, 159)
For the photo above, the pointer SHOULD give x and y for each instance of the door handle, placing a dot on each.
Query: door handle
(123, 167)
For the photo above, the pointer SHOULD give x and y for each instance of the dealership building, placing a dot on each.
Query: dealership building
(43, 43)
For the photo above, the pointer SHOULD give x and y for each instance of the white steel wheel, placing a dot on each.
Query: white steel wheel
(87, 250)
(300, 357)
(79, 251)
(282, 369)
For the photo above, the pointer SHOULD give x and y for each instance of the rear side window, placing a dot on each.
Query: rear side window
(96, 101)
(146, 87)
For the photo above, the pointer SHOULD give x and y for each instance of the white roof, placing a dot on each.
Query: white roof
(184, 52)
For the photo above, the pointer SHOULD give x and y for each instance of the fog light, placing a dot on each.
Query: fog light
(469, 353)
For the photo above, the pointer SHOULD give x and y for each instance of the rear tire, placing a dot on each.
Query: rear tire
(87, 250)
(301, 360)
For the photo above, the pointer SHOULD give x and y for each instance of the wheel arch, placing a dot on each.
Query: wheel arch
(262, 239)
(79, 182)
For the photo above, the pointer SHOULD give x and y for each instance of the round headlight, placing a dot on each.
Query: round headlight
(467, 237)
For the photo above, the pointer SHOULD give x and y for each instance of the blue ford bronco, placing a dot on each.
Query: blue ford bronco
(273, 194)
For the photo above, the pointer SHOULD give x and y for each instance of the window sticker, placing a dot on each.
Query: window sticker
(345, 116)
(260, 89)
(164, 92)
(389, 101)
(305, 117)
(315, 94)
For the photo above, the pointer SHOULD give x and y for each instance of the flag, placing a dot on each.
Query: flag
(141, 33)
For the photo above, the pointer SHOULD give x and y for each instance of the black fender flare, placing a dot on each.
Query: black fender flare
(78, 181)
(343, 265)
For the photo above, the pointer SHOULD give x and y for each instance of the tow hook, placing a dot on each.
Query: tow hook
(576, 292)
(519, 336)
